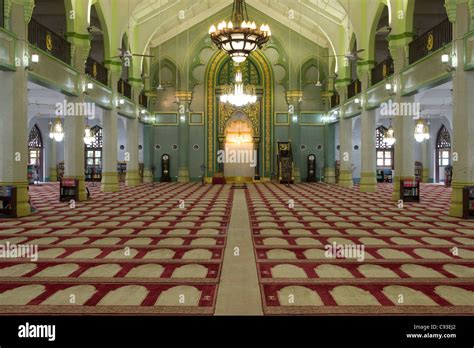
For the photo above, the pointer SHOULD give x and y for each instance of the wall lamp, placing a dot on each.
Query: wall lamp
(390, 89)
(87, 88)
(447, 60)
(34, 60)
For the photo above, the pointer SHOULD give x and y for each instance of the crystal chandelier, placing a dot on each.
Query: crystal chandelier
(389, 137)
(239, 37)
(236, 96)
(422, 131)
(56, 131)
(88, 136)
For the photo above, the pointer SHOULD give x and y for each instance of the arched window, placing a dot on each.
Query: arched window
(35, 155)
(384, 152)
(94, 155)
(443, 152)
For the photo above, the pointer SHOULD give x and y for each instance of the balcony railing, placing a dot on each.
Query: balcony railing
(124, 88)
(335, 100)
(432, 40)
(46, 40)
(383, 70)
(143, 100)
(2, 13)
(354, 88)
(97, 71)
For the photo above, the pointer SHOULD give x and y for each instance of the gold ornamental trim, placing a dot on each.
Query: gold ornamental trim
(213, 105)
(49, 42)
(430, 42)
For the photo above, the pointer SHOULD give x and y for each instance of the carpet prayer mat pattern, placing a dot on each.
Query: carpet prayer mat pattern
(414, 260)
(138, 251)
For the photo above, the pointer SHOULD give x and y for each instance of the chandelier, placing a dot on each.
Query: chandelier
(389, 137)
(239, 37)
(56, 131)
(88, 136)
(422, 131)
(236, 96)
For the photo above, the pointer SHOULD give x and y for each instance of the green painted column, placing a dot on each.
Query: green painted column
(14, 116)
(294, 99)
(183, 119)
(463, 110)
(330, 151)
(148, 141)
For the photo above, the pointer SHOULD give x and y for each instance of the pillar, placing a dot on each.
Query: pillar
(148, 142)
(132, 177)
(330, 170)
(368, 180)
(345, 142)
(183, 114)
(14, 115)
(74, 126)
(294, 99)
(52, 160)
(463, 109)
(403, 125)
(425, 160)
(110, 130)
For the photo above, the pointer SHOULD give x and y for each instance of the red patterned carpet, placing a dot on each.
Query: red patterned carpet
(133, 252)
(415, 260)
(139, 252)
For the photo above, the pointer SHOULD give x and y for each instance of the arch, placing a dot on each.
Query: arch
(213, 127)
(443, 152)
(372, 49)
(313, 62)
(93, 155)
(96, 5)
(35, 155)
(166, 62)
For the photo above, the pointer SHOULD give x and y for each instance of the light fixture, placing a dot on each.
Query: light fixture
(56, 131)
(51, 130)
(422, 131)
(90, 86)
(295, 118)
(236, 96)
(390, 88)
(389, 136)
(357, 100)
(449, 62)
(239, 37)
(143, 112)
(34, 60)
(183, 118)
(88, 136)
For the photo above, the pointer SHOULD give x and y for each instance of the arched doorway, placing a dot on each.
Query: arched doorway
(256, 71)
(35, 155)
(443, 152)
(240, 154)
(93, 153)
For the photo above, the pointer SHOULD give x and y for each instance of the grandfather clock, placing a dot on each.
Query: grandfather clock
(311, 168)
(165, 168)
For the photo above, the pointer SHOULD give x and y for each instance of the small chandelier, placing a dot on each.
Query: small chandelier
(236, 96)
(422, 131)
(239, 37)
(56, 131)
(88, 137)
(389, 137)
